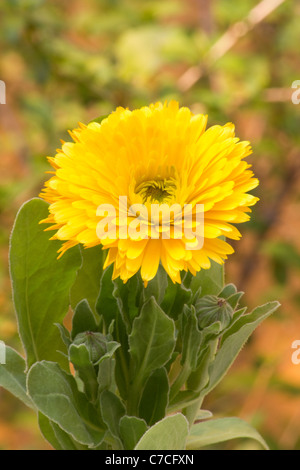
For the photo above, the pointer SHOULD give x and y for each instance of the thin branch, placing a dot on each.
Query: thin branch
(227, 41)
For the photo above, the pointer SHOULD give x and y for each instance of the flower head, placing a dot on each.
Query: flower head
(162, 156)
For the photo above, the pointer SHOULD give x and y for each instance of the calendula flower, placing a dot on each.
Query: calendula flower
(153, 156)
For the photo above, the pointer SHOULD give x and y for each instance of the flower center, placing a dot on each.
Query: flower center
(159, 190)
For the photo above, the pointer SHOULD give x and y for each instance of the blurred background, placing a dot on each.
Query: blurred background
(65, 62)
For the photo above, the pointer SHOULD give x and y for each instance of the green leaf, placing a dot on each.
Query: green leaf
(183, 399)
(58, 438)
(122, 357)
(128, 298)
(80, 358)
(231, 295)
(65, 335)
(106, 375)
(236, 315)
(155, 397)
(228, 291)
(220, 430)
(13, 377)
(204, 414)
(112, 410)
(83, 319)
(210, 280)
(41, 283)
(234, 339)
(106, 304)
(234, 299)
(48, 432)
(55, 394)
(108, 308)
(131, 431)
(191, 338)
(87, 283)
(176, 296)
(152, 340)
(200, 377)
(112, 347)
(157, 286)
(65, 441)
(168, 434)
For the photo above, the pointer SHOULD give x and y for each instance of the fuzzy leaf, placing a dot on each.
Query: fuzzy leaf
(128, 298)
(210, 280)
(80, 358)
(55, 395)
(176, 296)
(168, 434)
(83, 319)
(131, 431)
(41, 283)
(191, 338)
(112, 410)
(220, 430)
(87, 283)
(106, 305)
(157, 286)
(234, 339)
(47, 431)
(152, 340)
(13, 377)
(155, 397)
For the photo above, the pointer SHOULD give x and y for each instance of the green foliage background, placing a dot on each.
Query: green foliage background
(65, 62)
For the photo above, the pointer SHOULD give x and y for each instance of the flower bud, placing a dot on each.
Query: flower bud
(211, 309)
(96, 343)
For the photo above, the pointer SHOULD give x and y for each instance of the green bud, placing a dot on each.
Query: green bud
(96, 343)
(211, 309)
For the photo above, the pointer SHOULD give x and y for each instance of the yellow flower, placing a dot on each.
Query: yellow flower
(161, 154)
